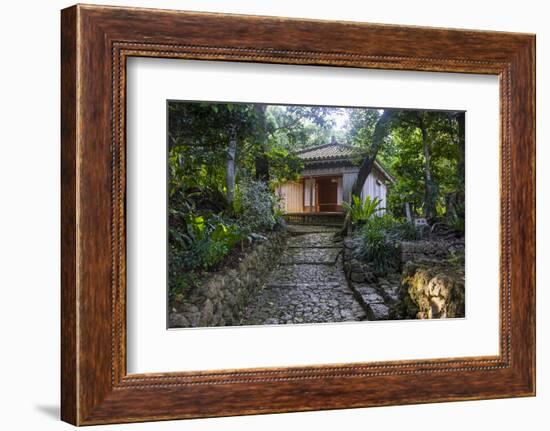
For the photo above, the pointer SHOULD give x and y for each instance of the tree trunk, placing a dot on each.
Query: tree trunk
(408, 212)
(381, 130)
(230, 165)
(261, 163)
(429, 187)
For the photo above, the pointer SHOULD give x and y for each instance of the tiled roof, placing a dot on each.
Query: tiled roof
(328, 152)
(336, 152)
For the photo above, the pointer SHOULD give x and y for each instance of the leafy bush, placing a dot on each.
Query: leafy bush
(404, 231)
(362, 211)
(395, 229)
(378, 249)
(197, 241)
(380, 235)
(457, 223)
(457, 258)
(255, 205)
(208, 240)
(384, 221)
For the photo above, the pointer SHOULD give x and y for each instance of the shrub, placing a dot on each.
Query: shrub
(362, 211)
(255, 206)
(208, 240)
(404, 231)
(396, 229)
(384, 221)
(197, 241)
(458, 224)
(457, 258)
(380, 236)
(179, 282)
(378, 248)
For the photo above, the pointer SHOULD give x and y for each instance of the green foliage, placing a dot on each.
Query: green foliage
(197, 240)
(457, 258)
(404, 231)
(284, 166)
(404, 156)
(457, 223)
(297, 127)
(209, 241)
(362, 211)
(255, 205)
(456, 220)
(362, 123)
(201, 239)
(384, 221)
(205, 244)
(395, 228)
(198, 137)
(380, 236)
(377, 248)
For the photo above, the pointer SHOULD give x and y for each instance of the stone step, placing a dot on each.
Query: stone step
(306, 273)
(338, 246)
(379, 311)
(390, 293)
(314, 240)
(305, 229)
(369, 294)
(327, 285)
(374, 303)
(319, 256)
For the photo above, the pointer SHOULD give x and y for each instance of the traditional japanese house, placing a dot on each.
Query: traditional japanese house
(327, 178)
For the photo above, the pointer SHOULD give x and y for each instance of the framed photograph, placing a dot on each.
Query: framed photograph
(264, 214)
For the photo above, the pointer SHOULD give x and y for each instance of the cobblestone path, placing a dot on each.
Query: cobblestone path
(308, 285)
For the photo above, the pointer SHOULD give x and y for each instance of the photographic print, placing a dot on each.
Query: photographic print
(295, 214)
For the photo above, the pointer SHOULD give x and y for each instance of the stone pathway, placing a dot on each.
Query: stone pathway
(308, 285)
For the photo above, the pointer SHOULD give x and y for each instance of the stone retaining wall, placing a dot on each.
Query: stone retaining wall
(412, 251)
(221, 298)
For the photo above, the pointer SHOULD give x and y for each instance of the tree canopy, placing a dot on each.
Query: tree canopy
(423, 151)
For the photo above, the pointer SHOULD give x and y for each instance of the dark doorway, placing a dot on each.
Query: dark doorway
(328, 194)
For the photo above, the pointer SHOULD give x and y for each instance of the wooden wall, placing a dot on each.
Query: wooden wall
(310, 195)
(291, 195)
(347, 183)
(375, 188)
(370, 188)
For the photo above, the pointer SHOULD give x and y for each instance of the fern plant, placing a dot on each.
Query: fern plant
(362, 211)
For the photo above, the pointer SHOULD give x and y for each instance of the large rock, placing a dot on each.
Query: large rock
(432, 290)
